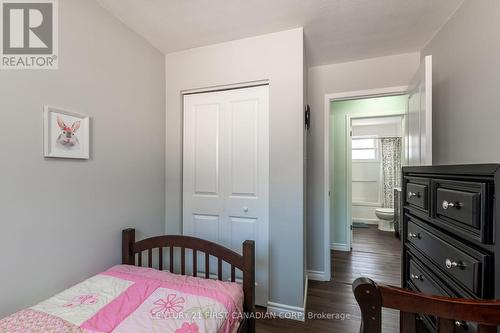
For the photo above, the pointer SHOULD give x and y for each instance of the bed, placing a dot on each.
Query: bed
(141, 296)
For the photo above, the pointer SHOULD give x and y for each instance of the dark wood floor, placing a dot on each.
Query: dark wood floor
(376, 255)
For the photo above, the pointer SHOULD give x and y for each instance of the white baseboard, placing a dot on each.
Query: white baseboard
(317, 275)
(306, 286)
(340, 247)
(286, 311)
(367, 221)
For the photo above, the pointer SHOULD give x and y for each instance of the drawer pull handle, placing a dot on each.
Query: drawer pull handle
(447, 204)
(461, 323)
(453, 264)
(412, 235)
(417, 277)
(413, 194)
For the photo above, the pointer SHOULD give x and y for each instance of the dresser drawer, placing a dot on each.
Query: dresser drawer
(417, 192)
(421, 279)
(424, 280)
(417, 195)
(460, 206)
(464, 207)
(465, 265)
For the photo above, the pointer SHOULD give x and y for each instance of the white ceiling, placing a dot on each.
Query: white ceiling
(335, 30)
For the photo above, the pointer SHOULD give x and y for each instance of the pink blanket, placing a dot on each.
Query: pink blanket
(128, 299)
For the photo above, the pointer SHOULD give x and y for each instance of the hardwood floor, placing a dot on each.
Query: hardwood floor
(376, 255)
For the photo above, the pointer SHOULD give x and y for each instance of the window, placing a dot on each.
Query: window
(365, 148)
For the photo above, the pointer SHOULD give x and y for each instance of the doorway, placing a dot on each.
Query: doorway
(226, 173)
(417, 143)
(375, 155)
(361, 128)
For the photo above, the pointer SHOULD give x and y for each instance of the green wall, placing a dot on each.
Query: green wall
(380, 106)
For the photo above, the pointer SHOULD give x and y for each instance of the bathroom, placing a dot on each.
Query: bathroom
(376, 154)
(367, 149)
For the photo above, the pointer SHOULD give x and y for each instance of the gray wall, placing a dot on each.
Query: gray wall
(466, 74)
(277, 57)
(375, 73)
(61, 219)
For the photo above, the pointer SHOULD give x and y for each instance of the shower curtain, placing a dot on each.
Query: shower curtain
(391, 165)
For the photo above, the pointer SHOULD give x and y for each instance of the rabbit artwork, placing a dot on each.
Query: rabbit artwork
(68, 139)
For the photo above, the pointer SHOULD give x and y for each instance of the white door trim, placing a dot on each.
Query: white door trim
(421, 84)
(215, 88)
(347, 95)
(428, 109)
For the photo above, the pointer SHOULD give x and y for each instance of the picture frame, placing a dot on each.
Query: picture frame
(66, 133)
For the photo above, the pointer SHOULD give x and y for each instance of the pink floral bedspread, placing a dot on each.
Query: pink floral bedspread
(129, 299)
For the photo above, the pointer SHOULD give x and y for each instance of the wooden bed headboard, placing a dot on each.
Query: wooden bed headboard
(245, 262)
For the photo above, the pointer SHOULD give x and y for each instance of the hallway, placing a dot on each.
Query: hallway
(375, 255)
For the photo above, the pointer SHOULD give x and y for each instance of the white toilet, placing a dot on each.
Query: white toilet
(385, 219)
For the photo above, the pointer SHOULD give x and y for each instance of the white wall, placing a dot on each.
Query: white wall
(277, 57)
(466, 67)
(373, 73)
(366, 185)
(62, 219)
(381, 130)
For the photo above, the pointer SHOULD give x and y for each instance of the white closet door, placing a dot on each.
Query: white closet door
(226, 172)
(419, 126)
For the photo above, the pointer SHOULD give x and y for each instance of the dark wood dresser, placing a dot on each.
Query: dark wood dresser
(451, 233)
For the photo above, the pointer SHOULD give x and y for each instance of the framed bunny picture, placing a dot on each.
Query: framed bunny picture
(66, 134)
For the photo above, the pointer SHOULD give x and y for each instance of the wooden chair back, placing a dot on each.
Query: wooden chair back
(372, 298)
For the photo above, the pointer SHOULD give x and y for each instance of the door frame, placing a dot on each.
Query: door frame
(328, 175)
